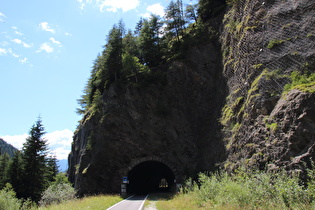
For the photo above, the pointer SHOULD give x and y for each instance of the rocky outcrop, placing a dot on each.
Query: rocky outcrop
(226, 103)
(170, 117)
(263, 42)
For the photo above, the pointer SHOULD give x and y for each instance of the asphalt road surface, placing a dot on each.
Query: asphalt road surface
(135, 202)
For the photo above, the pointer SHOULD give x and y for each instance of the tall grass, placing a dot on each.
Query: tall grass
(243, 190)
(93, 202)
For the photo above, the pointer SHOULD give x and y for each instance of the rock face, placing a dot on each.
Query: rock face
(172, 120)
(263, 42)
(224, 104)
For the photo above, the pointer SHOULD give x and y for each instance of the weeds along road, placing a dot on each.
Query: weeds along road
(135, 202)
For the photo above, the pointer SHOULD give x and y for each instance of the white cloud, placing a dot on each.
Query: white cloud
(155, 9)
(45, 27)
(8, 52)
(17, 140)
(2, 16)
(53, 40)
(18, 41)
(27, 45)
(68, 34)
(114, 5)
(3, 51)
(24, 60)
(12, 53)
(59, 142)
(45, 47)
(16, 32)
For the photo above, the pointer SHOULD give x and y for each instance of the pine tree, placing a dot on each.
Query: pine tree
(53, 168)
(15, 173)
(175, 19)
(4, 165)
(34, 159)
(150, 41)
(113, 54)
(191, 13)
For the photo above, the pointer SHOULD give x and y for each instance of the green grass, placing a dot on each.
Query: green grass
(273, 126)
(303, 82)
(93, 202)
(273, 43)
(244, 190)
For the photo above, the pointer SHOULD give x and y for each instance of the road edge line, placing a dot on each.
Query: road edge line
(141, 207)
(119, 203)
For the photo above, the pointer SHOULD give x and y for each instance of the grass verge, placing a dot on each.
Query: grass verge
(93, 202)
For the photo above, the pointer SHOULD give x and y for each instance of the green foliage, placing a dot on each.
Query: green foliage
(150, 42)
(255, 190)
(4, 165)
(92, 202)
(257, 66)
(227, 115)
(175, 19)
(273, 126)
(128, 58)
(273, 43)
(37, 168)
(15, 173)
(303, 82)
(57, 192)
(132, 67)
(8, 200)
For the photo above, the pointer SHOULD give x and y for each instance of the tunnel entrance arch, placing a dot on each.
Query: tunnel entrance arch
(151, 176)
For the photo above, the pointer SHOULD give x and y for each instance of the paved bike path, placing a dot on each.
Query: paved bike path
(135, 202)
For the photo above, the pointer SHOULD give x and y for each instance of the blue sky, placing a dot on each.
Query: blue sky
(47, 48)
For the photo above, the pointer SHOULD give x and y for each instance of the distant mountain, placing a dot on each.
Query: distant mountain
(7, 148)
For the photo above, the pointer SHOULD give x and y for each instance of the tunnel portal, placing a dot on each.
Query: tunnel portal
(150, 176)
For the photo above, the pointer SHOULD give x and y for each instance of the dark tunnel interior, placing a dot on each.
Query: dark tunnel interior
(149, 177)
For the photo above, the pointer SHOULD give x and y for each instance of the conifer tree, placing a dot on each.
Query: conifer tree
(113, 54)
(150, 41)
(52, 167)
(15, 173)
(175, 19)
(4, 164)
(34, 159)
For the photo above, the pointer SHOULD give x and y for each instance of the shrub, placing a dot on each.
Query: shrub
(60, 190)
(303, 82)
(57, 194)
(256, 189)
(8, 200)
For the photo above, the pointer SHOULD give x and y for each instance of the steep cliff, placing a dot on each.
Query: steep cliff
(245, 97)
(269, 115)
(170, 118)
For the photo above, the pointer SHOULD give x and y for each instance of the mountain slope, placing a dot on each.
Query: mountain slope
(7, 148)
